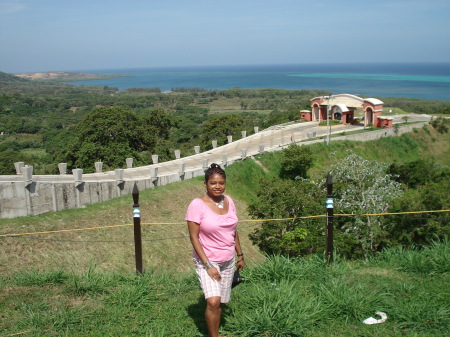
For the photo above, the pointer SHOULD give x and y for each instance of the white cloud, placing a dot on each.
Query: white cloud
(11, 6)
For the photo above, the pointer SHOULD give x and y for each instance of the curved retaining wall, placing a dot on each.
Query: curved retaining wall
(28, 194)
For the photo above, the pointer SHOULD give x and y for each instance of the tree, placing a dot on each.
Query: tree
(440, 124)
(296, 161)
(160, 122)
(9, 157)
(406, 118)
(110, 135)
(363, 187)
(277, 199)
(418, 172)
(219, 127)
(419, 229)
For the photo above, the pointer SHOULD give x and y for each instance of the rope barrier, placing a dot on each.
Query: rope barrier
(64, 230)
(241, 221)
(110, 241)
(18, 333)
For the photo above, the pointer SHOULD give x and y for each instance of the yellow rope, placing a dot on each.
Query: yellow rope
(18, 333)
(64, 230)
(241, 221)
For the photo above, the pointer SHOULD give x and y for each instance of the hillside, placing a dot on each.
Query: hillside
(165, 241)
(11, 79)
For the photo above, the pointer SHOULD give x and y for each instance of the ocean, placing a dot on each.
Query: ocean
(414, 80)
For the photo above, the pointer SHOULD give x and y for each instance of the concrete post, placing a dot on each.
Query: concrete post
(119, 181)
(197, 149)
(78, 176)
(230, 139)
(129, 162)
(244, 153)
(177, 154)
(27, 174)
(62, 167)
(19, 166)
(98, 166)
(181, 169)
(153, 173)
(155, 158)
(224, 160)
(119, 175)
(244, 134)
(256, 128)
(261, 148)
(214, 144)
(54, 203)
(205, 164)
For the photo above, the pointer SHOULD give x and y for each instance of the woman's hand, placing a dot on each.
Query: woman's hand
(240, 264)
(213, 273)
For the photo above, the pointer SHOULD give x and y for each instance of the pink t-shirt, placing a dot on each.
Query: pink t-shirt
(217, 232)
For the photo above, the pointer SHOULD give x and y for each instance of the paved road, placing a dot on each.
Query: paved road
(270, 139)
(267, 140)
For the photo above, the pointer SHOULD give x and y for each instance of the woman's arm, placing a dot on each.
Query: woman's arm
(194, 230)
(240, 264)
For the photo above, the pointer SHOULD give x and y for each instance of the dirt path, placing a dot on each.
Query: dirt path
(260, 164)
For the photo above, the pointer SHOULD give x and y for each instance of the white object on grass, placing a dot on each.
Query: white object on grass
(372, 320)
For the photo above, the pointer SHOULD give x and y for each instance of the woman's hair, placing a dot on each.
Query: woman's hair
(213, 169)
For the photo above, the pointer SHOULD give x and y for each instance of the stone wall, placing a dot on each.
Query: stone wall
(22, 198)
(25, 194)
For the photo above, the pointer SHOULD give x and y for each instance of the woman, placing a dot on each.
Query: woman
(212, 224)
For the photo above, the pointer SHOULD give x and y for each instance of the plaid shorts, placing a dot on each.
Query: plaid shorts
(212, 287)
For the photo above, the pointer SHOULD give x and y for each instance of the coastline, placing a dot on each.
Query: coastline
(60, 76)
(430, 81)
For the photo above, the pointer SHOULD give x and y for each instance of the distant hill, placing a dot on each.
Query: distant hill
(9, 78)
(65, 76)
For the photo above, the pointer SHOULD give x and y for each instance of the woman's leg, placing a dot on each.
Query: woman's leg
(212, 315)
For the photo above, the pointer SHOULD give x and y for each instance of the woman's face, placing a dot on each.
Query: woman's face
(215, 185)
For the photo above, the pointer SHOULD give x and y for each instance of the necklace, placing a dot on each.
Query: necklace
(218, 204)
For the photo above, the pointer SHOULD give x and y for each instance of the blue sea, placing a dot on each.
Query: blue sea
(413, 80)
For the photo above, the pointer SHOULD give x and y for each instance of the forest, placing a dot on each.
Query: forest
(43, 123)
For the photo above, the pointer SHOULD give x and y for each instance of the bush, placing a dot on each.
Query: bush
(418, 172)
(440, 124)
(290, 200)
(296, 161)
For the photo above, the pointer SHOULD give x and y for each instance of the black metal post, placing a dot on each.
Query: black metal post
(329, 230)
(137, 229)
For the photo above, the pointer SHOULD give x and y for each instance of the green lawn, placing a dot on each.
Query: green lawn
(280, 297)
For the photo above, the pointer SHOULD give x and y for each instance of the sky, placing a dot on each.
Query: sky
(77, 35)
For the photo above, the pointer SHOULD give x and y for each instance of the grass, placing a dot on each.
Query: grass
(424, 143)
(83, 283)
(279, 297)
(393, 111)
(21, 137)
(39, 153)
(164, 233)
